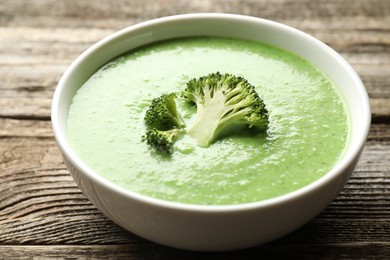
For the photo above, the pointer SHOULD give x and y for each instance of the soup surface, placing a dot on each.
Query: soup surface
(307, 134)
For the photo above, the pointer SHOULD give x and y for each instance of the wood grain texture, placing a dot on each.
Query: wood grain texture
(145, 251)
(43, 214)
(358, 29)
(40, 203)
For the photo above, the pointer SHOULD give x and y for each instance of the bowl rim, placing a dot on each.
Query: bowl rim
(350, 156)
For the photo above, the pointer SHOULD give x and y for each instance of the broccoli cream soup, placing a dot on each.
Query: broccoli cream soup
(306, 136)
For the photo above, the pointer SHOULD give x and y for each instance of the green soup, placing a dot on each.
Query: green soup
(307, 134)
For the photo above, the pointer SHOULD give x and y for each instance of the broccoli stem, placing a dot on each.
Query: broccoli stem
(207, 120)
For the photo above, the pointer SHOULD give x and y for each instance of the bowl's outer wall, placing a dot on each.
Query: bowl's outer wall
(202, 229)
(208, 231)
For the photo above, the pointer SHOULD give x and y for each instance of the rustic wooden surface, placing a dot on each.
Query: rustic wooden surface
(44, 215)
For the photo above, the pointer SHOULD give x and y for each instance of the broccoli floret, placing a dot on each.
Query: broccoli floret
(164, 123)
(163, 140)
(224, 102)
(162, 113)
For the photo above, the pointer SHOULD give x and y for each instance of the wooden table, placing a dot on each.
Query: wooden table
(42, 212)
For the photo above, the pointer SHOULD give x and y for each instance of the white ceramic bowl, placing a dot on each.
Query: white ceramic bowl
(212, 228)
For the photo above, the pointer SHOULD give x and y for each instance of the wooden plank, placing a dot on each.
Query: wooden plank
(10, 128)
(152, 251)
(26, 95)
(102, 12)
(40, 203)
(30, 71)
